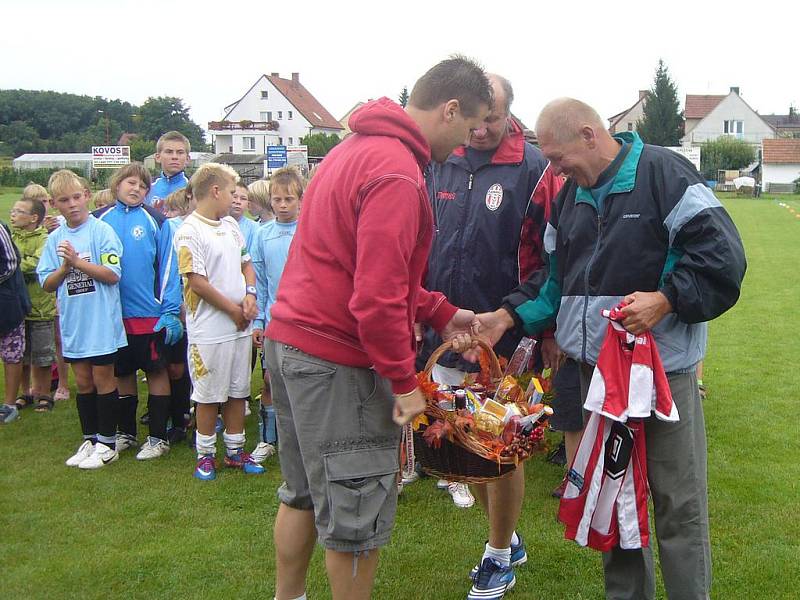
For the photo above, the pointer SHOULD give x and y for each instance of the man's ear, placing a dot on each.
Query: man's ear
(450, 110)
(588, 136)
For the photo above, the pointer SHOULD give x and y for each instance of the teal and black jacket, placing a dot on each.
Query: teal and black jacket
(659, 228)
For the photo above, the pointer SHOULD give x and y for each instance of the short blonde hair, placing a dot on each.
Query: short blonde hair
(211, 174)
(34, 191)
(290, 178)
(258, 192)
(173, 136)
(63, 182)
(178, 202)
(103, 198)
(134, 169)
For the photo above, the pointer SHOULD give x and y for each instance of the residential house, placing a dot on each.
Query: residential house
(627, 119)
(345, 120)
(710, 117)
(780, 164)
(274, 111)
(785, 125)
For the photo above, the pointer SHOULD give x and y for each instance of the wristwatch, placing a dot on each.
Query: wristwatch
(251, 289)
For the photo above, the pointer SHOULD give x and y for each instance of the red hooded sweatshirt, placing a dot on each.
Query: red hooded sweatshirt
(352, 286)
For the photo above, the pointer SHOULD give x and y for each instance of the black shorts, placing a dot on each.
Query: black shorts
(145, 352)
(567, 409)
(97, 361)
(177, 353)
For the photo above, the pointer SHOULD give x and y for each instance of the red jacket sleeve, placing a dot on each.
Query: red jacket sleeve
(389, 222)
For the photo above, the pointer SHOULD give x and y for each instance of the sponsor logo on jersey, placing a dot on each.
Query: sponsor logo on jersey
(445, 195)
(494, 197)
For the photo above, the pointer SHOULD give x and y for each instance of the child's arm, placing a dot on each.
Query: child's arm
(260, 269)
(29, 262)
(200, 285)
(99, 273)
(8, 255)
(249, 308)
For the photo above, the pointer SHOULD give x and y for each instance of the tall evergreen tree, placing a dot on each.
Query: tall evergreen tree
(662, 123)
(403, 99)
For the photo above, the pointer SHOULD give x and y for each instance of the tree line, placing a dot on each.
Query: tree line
(45, 121)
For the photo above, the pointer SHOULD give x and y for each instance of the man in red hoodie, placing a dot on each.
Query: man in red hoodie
(339, 344)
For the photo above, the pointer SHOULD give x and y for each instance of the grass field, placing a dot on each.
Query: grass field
(151, 531)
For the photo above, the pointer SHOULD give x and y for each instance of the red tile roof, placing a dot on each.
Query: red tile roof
(305, 103)
(781, 150)
(698, 107)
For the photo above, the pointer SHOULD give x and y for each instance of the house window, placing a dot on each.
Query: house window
(630, 126)
(280, 141)
(280, 114)
(262, 116)
(264, 94)
(290, 114)
(733, 127)
(291, 141)
(248, 144)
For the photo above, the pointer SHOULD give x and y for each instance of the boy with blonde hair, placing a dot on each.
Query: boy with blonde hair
(102, 198)
(172, 153)
(239, 207)
(258, 196)
(81, 261)
(220, 297)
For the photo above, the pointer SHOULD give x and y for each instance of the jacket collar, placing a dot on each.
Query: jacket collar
(127, 207)
(511, 150)
(625, 179)
(179, 176)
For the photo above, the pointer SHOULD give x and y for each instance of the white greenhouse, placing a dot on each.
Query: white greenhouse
(76, 160)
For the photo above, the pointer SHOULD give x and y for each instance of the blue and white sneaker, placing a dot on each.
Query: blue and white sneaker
(206, 469)
(242, 460)
(518, 556)
(492, 581)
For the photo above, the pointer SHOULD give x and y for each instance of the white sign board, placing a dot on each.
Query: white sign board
(110, 157)
(690, 152)
(297, 156)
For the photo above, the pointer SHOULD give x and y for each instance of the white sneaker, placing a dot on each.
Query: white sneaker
(442, 484)
(411, 478)
(126, 441)
(101, 456)
(262, 452)
(84, 451)
(462, 497)
(152, 448)
(247, 411)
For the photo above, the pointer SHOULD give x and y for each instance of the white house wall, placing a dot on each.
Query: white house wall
(251, 107)
(779, 173)
(731, 108)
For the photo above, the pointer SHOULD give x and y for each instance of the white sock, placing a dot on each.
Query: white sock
(206, 444)
(233, 442)
(515, 539)
(501, 555)
(303, 597)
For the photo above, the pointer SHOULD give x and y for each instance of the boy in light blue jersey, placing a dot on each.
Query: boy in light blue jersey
(151, 299)
(270, 249)
(239, 206)
(82, 262)
(172, 153)
(258, 202)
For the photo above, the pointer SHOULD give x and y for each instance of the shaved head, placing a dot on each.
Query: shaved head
(565, 118)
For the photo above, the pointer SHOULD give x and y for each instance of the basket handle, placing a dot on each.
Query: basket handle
(494, 364)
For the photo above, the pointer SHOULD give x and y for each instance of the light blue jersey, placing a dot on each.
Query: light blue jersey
(269, 252)
(90, 311)
(248, 227)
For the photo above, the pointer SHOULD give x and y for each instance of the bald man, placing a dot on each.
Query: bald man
(490, 203)
(635, 223)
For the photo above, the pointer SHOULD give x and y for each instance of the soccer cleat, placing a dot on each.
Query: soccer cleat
(518, 556)
(152, 448)
(461, 495)
(84, 451)
(442, 484)
(411, 478)
(98, 459)
(8, 413)
(492, 581)
(125, 441)
(241, 460)
(206, 469)
(262, 452)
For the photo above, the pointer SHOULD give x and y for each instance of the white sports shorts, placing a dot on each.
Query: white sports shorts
(220, 371)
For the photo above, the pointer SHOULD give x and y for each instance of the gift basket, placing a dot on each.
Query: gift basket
(481, 430)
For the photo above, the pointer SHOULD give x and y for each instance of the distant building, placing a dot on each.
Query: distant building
(274, 111)
(711, 117)
(345, 120)
(627, 119)
(780, 164)
(68, 160)
(785, 125)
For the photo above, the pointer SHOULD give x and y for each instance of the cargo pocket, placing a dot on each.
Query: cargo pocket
(361, 492)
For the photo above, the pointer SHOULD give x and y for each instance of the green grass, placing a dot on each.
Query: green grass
(149, 530)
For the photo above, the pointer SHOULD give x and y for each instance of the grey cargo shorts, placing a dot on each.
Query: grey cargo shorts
(339, 448)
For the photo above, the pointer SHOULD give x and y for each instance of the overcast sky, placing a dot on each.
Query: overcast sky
(210, 53)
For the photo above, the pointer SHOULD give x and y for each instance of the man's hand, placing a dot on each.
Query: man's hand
(494, 325)
(249, 307)
(408, 406)
(258, 337)
(67, 252)
(644, 310)
(461, 330)
(551, 354)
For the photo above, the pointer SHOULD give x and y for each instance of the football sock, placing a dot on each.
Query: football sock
(180, 390)
(515, 539)
(501, 555)
(158, 408)
(126, 414)
(269, 433)
(233, 442)
(87, 413)
(206, 444)
(107, 418)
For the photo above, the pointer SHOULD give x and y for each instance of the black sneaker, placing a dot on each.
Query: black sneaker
(559, 455)
(175, 435)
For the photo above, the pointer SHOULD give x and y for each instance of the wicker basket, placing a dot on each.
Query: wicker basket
(465, 459)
